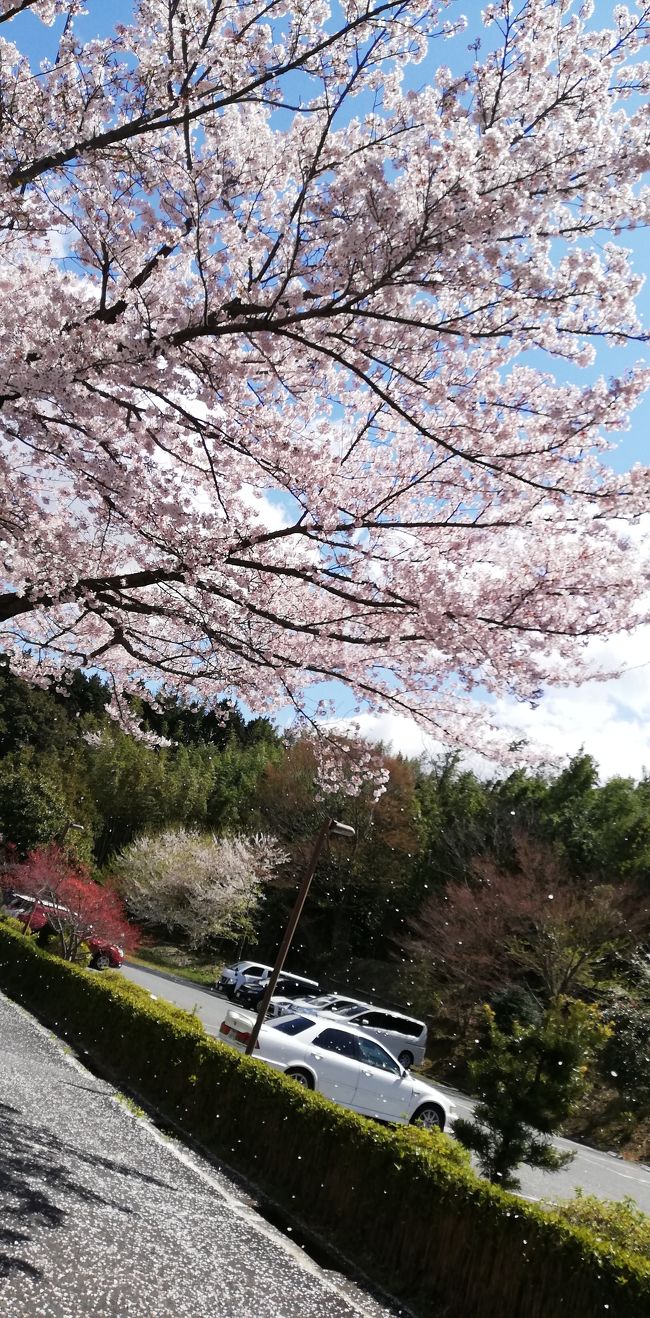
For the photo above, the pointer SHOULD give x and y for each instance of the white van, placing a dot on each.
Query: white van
(245, 981)
(405, 1037)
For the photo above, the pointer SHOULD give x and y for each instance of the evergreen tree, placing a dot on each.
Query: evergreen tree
(528, 1078)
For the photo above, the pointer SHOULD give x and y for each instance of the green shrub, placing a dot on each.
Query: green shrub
(514, 1003)
(399, 1203)
(11, 923)
(625, 1062)
(616, 1222)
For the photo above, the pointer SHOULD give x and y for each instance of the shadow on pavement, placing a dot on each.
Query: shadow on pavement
(36, 1170)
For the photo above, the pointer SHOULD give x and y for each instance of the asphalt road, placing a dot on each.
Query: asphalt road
(602, 1174)
(101, 1216)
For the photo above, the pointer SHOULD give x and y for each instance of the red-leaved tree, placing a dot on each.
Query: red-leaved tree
(77, 908)
(292, 339)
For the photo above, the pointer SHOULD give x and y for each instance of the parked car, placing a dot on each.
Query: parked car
(30, 910)
(402, 1035)
(232, 977)
(37, 914)
(281, 1006)
(345, 1064)
(251, 992)
(103, 955)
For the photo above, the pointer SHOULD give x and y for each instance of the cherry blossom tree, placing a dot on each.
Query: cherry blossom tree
(203, 887)
(290, 348)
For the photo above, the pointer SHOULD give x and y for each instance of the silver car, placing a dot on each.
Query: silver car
(284, 1006)
(404, 1036)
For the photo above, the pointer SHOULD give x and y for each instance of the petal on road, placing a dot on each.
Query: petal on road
(100, 1215)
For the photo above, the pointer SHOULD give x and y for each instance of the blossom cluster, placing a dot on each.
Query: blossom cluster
(290, 388)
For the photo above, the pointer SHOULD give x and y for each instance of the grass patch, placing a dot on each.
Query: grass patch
(130, 1104)
(178, 962)
(607, 1120)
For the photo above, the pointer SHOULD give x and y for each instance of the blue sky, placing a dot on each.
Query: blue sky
(611, 719)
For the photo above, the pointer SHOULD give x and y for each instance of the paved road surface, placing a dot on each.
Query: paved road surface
(597, 1173)
(100, 1216)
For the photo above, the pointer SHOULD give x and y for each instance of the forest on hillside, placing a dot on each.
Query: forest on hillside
(457, 890)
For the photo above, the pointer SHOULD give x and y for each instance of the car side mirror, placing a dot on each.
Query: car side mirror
(404, 1072)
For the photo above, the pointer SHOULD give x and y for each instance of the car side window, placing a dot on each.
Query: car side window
(381, 1020)
(374, 1055)
(254, 970)
(336, 1041)
(374, 1020)
(398, 1025)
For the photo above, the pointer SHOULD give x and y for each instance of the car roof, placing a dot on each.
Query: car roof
(38, 901)
(321, 1019)
(389, 1011)
(300, 979)
(355, 1003)
(347, 997)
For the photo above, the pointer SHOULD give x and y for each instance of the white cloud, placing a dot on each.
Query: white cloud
(609, 719)
(269, 514)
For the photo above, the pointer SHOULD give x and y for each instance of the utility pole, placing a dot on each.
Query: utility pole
(328, 828)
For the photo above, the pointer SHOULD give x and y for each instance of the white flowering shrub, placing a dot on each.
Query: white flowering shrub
(195, 885)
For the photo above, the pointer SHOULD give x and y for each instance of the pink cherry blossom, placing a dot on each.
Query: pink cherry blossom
(289, 386)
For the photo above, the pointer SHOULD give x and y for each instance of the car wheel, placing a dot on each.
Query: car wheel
(429, 1117)
(301, 1077)
(230, 992)
(101, 962)
(405, 1059)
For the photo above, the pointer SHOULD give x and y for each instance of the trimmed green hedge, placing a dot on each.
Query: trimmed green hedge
(400, 1204)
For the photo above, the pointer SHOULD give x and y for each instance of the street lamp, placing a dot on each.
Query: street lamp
(328, 828)
(63, 832)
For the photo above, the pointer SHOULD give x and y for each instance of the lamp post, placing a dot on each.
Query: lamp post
(63, 833)
(328, 828)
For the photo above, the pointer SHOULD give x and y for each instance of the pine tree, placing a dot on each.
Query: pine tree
(528, 1081)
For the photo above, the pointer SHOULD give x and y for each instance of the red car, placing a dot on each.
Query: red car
(104, 955)
(37, 915)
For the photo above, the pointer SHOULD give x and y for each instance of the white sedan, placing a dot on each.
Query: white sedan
(344, 1064)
